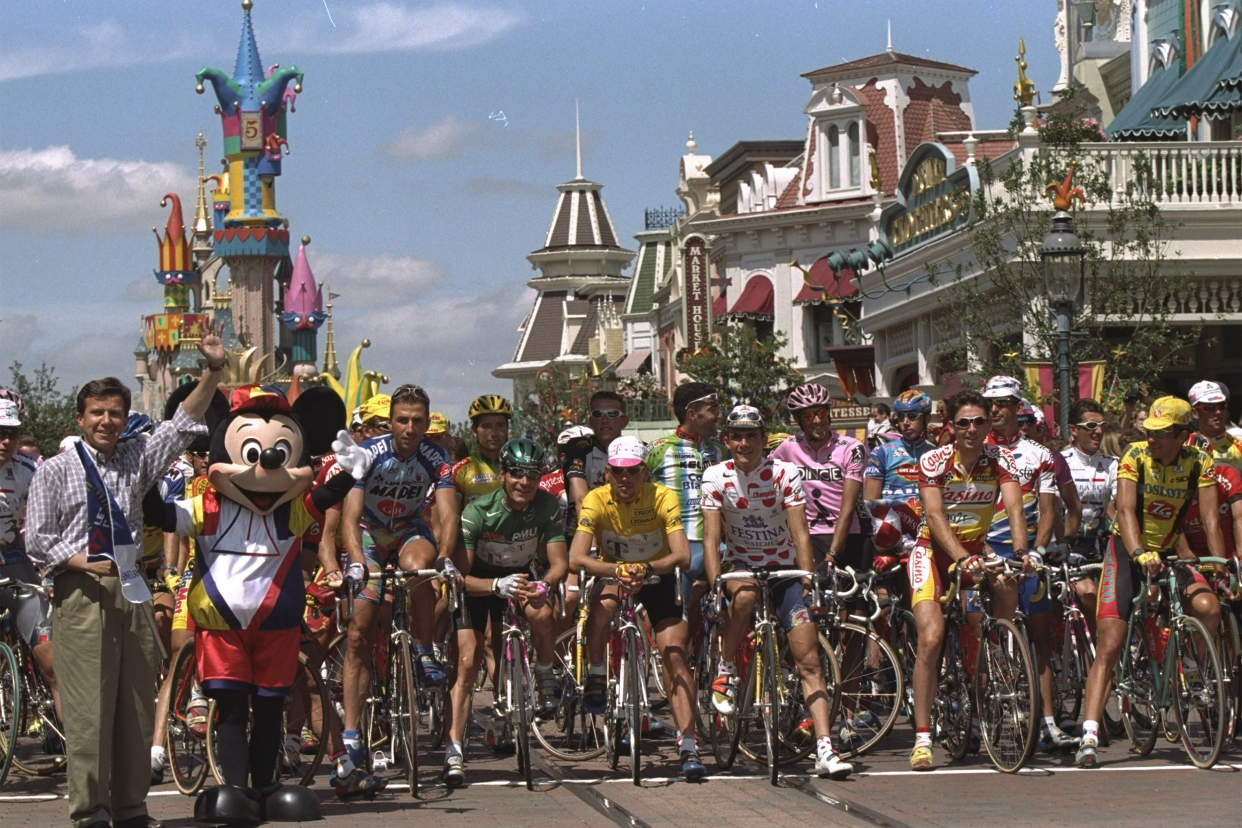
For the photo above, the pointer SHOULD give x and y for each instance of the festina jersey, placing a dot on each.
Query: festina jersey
(1035, 473)
(15, 477)
(585, 460)
(1095, 478)
(398, 488)
(896, 465)
(678, 462)
(753, 508)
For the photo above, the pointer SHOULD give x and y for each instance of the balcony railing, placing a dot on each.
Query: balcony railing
(1193, 172)
(648, 409)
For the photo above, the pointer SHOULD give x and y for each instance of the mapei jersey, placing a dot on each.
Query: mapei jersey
(398, 488)
(505, 541)
(753, 510)
(1163, 491)
(1095, 478)
(970, 496)
(631, 532)
(896, 466)
(15, 477)
(678, 462)
(474, 477)
(247, 566)
(1036, 475)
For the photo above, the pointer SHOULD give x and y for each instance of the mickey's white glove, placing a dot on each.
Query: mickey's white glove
(350, 456)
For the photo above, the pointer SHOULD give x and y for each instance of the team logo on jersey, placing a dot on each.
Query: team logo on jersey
(1160, 510)
(390, 508)
(920, 567)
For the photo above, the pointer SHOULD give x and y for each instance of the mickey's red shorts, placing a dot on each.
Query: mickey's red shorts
(256, 661)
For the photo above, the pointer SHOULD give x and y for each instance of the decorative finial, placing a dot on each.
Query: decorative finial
(366, 343)
(247, 5)
(201, 143)
(691, 144)
(1024, 88)
(578, 141)
(890, 35)
(306, 240)
(1065, 194)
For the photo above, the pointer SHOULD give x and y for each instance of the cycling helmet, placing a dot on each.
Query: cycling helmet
(744, 416)
(912, 402)
(775, 439)
(490, 404)
(137, 424)
(572, 433)
(521, 453)
(810, 395)
(12, 396)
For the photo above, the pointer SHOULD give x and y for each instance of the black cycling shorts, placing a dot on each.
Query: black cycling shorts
(1122, 578)
(660, 600)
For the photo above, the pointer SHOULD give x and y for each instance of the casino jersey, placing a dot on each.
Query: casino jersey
(753, 509)
(824, 473)
(1164, 491)
(1228, 492)
(397, 489)
(678, 461)
(970, 496)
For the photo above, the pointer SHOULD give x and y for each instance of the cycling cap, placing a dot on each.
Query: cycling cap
(775, 439)
(137, 424)
(378, 407)
(626, 451)
(1001, 387)
(572, 433)
(437, 423)
(356, 418)
(810, 395)
(521, 453)
(1167, 412)
(15, 398)
(8, 414)
(744, 416)
(1208, 392)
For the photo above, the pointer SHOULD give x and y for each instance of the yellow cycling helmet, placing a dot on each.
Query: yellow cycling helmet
(377, 407)
(775, 439)
(490, 404)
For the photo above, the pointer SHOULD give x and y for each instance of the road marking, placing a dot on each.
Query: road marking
(844, 805)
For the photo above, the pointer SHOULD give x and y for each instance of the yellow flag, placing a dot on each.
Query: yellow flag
(354, 380)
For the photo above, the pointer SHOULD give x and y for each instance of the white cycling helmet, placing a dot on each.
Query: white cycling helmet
(572, 433)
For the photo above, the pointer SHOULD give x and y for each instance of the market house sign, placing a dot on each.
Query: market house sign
(934, 198)
(696, 302)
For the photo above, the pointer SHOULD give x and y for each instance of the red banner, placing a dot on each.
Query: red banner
(696, 299)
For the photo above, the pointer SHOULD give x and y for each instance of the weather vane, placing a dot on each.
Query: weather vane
(1024, 89)
(1065, 194)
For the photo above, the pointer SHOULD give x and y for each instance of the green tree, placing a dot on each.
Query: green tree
(557, 399)
(745, 369)
(50, 414)
(1130, 268)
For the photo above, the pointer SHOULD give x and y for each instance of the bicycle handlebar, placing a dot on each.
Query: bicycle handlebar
(23, 589)
(767, 574)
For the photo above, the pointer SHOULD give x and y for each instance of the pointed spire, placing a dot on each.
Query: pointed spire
(330, 364)
(202, 245)
(175, 267)
(303, 306)
(890, 35)
(248, 72)
(578, 141)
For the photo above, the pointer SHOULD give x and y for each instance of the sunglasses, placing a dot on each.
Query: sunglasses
(9, 432)
(901, 417)
(745, 417)
(1161, 434)
(524, 474)
(816, 414)
(606, 413)
(1211, 408)
(709, 399)
(1094, 425)
(1005, 402)
(627, 471)
(198, 455)
(968, 422)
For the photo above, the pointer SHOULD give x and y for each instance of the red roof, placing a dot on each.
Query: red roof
(789, 198)
(887, 59)
(932, 109)
(821, 274)
(756, 299)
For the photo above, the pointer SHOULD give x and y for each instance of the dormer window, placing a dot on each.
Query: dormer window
(855, 174)
(835, 148)
(834, 157)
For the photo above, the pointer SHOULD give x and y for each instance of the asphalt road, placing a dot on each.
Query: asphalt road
(1158, 790)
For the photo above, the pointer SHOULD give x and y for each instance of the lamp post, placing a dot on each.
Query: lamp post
(1064, 258)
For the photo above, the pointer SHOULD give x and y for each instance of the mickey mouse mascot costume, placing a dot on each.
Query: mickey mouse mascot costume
(247, 597)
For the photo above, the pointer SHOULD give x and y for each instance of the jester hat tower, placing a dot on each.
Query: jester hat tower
(253, 237)
(303, 314)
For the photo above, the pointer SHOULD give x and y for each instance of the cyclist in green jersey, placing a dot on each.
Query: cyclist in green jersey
(503, 532)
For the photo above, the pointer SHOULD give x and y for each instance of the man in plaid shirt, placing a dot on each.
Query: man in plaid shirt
(105, 648)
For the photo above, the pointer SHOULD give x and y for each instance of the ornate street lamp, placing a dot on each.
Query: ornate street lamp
(1064, 262)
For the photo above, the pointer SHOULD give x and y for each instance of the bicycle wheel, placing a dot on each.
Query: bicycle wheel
(613, 714)
(1136, 691)
(1227, 647)
(728, 732)
(770, 705)
(906, 643)
(870, 710)
(520, 709)
(333, 674)
(39, 743)
(1198, 692)
(653, 664)
(571, 733)
(953, 706)
(1074, 665)
(634, 706)
(403, 708)
(10, 707)
(711, 725)
(1007, 692)
(187, 751)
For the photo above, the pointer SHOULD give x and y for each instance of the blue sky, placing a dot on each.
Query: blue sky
(421, 202)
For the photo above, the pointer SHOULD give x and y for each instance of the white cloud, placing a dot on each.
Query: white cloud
(373, 281)
(447, 344)
(445, 140)
(53, 191)
(78, 352)
(391, 27)
(93, 47)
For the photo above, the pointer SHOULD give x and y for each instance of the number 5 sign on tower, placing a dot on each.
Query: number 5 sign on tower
(251, 131)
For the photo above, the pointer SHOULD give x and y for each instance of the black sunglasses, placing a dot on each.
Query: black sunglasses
(906, 415)
(9, 432)
(524, 474)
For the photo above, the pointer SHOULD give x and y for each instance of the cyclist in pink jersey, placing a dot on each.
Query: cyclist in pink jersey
(832, 472)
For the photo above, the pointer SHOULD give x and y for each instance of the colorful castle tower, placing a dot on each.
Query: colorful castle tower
(251, 236)
(303, 314)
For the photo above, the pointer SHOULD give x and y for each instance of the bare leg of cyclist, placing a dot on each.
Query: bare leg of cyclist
(603, 608)
(929, 621)
(420, 554)
(356, 678)
(671, 637)
(1201, 602)
(42, 654)
(1041, 633)
(742, 600)
(1110, 639)
(1086, 592)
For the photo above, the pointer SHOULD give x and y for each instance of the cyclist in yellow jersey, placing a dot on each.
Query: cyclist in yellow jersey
(1155, 482)
(1210, 401)
(638, 529)
(479, 474)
